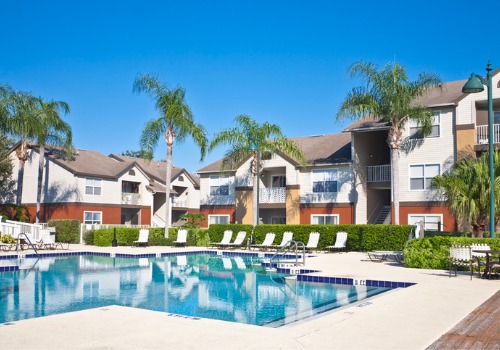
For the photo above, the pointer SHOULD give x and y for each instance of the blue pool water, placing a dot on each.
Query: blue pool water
(233, 289)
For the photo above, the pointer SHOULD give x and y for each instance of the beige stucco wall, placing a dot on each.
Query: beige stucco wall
(293, 205)
(244, 207)
(466, 138)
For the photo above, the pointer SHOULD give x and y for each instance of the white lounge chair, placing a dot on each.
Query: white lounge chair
(238, 241)
(181, 238)
(460, 256)
(340, 242)
(143, 237)
(287, 237)
(268, 242)
(312, 242)
(226, 238)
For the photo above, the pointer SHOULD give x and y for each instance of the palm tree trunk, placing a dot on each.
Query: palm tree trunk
(41, 163)
(169, 138)
(22, 155)
(395, 183)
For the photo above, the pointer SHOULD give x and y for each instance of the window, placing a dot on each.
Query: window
(325, 180)
(324, 219)
(92, 217)
(431, 222)
(278, 181)
(218, 219)
(219, 185)
(277, 220)
(416, 130)
(421, 175)
(93, 186)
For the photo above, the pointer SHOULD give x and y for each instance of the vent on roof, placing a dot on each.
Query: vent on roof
(131, 172)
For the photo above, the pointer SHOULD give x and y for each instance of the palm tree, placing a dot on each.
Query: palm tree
(389, 95)
(270, 140)
(19, 121)
(466, 188)
(175, 122)
(52, 131)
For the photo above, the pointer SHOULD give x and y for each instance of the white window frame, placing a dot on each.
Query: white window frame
(219, 216)
(218, 181)
(436, 124)
(428, 225)
(324, 216)
(92, 221)
(93, 183)
(424, 177)
(315, 175)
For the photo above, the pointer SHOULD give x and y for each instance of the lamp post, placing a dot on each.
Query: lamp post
(476, 84)
(256, 147)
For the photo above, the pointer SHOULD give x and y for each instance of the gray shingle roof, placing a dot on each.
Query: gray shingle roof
(318, 149)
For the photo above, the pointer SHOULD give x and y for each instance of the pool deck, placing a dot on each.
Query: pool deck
(405, 318)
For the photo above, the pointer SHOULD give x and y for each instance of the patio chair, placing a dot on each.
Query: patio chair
(479, 257)
(268, 242)
(226, 238)
(181, 238)
(238, 241)
(312, 242)
(143, 238)
(340, 242)
(384, 255)
(460, 256)
(287, 237)
(7, 246)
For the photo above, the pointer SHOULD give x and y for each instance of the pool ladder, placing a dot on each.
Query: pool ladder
(26, 238)
(291, 247)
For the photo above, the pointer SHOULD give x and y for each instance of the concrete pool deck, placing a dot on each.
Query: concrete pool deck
(405, 318)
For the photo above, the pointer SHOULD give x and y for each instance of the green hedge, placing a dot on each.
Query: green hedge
(126, 236)
(67, 231)
(434, 252)
(359, 237)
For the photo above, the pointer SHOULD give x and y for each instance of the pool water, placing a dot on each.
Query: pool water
(235, 289)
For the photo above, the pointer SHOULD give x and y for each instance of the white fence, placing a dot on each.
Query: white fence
(272, 195)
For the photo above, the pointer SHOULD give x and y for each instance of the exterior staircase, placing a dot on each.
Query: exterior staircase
(384, 216)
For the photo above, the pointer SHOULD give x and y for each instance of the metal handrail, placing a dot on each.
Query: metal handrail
(27, 239)
(287, 248)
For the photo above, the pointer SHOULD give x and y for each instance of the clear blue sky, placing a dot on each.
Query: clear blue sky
(279, 61)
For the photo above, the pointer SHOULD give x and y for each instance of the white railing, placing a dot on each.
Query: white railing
(482, 134)
(131, 198)
(14, 228)
(378, 173)
(272, 195)
(180, 202)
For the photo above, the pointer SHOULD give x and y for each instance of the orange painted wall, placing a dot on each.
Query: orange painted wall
(218, 211)
(346, 214)
(110, 215)
(449, 223)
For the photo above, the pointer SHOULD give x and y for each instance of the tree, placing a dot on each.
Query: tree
(176, 123)
(18, 113)
(54, 131)
(466, 187)
(269, 138)
(7, 184)
(137, 154)
(389, 95)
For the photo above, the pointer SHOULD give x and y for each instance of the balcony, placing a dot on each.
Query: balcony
(180, 202)
(131, 198)
(482, 134)
(378, 173)
(272, 195)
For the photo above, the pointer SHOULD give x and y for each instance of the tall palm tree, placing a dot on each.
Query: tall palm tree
(52, 131)
(389, 95)
(466, 188)
(176, 123)
(20, 122)
(270, 140)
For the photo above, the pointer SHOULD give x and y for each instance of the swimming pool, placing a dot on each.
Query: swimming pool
(230, 288)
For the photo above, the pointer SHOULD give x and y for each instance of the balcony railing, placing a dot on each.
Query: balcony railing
(379, 173)
(131, 198)
(272, 195)
(180, 202)
(482, 134)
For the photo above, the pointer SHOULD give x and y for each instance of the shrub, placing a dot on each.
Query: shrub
(67, 231)
(434, 252)
(88, 237)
